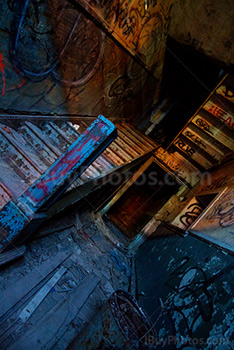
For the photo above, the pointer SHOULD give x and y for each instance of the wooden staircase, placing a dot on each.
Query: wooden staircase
(29, 147)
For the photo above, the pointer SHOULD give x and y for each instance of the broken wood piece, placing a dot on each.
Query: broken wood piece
(52, 326)
(53, 230)
(12, 255)
(11, 296)
(41, 294)
(17, 217)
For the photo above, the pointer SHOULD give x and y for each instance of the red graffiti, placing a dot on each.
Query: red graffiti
(216, 111)
(59, 171)
(3, 64)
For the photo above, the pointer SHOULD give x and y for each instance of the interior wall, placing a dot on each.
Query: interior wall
(187, 293)
(205, 25)
(217, 223)
(60, 57)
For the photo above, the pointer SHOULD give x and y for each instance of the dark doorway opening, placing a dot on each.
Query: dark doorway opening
(143, 200)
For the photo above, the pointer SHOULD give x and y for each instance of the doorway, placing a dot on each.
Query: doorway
(143, 199)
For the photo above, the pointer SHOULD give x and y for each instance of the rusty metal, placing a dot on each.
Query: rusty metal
(120, 324)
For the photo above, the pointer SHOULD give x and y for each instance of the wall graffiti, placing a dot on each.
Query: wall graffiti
(190, 301)
(3, 65)
(189, 294)
(189, 214)
(217, 223)
(226, 91)
(215, 184)
(141, 29)
(193, 211)
(195, 138)
(211, 140)
(220, 113)
(224, 213)
(61, 62)
(184, 147)
(203, 125)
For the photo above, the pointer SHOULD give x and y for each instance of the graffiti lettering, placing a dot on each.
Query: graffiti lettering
(193, 211)
(217, 183)
(186, 148)
(195, 139)
(229, 121)
(224, 213)
(216, 111)
(203, 125)
(189, 300)
(226, 91)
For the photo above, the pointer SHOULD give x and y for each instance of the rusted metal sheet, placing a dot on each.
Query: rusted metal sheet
(16, 215)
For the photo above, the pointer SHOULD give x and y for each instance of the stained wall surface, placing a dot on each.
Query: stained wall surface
(205, 25)
(89, 57)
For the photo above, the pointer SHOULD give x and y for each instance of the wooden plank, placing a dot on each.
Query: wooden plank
(12, 255)
(45, 153)
(194, 136)
(214, 128)
(140, 136)
(126, 147)
(11, 296)
(55, 180)
(179, 165)
(211, 141)
(103, 165)
(120, 152)
(45, 333)
(28, 310)
(112, 156)
(17, 142)
(41, 136)
(218, 110)
(194, 153)
(133, 137)
(5, 194)
(130, 142)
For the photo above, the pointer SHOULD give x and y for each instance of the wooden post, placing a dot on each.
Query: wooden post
(17, 214)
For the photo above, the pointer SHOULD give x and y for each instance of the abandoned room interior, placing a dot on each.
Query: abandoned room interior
(116, 175)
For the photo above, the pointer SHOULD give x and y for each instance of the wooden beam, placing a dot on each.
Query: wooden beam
(12, 255)
(15, 216)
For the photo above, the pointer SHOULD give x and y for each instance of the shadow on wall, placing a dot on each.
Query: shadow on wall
(187, 292)
(60, 61)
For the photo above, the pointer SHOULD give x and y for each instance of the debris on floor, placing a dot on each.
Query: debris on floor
(66, 274)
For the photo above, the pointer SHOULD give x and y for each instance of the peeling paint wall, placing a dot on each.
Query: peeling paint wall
(55, 59)
(187, 293)
(205, 25)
